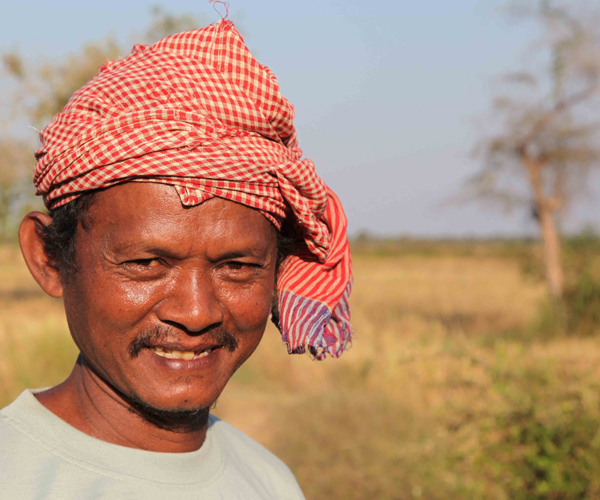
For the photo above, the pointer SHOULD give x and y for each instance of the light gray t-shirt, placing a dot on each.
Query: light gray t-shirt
(43, 457)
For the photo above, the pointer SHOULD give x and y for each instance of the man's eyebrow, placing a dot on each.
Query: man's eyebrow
(236, 254)
(152, 249)
(144, 248)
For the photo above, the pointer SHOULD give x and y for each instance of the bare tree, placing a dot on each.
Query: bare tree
(164, 24)
(42, 90)
(16, 162)
(547, 137)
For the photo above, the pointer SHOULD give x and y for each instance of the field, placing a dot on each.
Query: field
(451, 390)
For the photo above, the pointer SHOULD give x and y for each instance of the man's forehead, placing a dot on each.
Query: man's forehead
(148, 200)
(140, 214)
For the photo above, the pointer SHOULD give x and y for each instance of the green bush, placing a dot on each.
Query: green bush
(578, 313)
(547, 454)
(583, 306)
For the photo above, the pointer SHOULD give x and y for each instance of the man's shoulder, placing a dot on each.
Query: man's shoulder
(10, 436)
(16, 429)
(240, 444)
(19, 448)
(246, 453)
(10, 432)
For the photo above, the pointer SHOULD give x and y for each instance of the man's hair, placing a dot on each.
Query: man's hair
(59, 236)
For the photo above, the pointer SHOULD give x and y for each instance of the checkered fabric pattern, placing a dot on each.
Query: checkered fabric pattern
(198, 112)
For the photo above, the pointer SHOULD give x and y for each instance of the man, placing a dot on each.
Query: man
(179, 209)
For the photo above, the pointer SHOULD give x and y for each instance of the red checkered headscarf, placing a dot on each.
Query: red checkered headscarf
(198, 112)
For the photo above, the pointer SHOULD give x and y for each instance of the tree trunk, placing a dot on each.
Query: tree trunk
(552, 252)
(547, 221)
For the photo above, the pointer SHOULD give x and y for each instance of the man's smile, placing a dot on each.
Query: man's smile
(178, 360)
(162, 342)
(175, 353)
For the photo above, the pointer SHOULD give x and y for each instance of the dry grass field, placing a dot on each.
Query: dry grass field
(448, 391)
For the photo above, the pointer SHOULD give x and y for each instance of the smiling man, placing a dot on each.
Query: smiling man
(181, 216)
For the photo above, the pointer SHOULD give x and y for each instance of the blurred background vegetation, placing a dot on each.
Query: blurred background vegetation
(475, 372)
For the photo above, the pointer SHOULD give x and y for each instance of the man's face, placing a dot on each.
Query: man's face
(169, 301)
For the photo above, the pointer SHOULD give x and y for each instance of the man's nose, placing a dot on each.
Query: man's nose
(191, 302)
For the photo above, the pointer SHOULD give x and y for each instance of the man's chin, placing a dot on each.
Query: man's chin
(176, 419)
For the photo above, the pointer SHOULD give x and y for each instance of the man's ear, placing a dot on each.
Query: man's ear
(32, 248)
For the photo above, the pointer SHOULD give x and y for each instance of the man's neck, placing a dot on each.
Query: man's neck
(90, 405)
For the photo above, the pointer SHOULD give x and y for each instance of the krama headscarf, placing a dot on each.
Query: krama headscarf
(198, 112)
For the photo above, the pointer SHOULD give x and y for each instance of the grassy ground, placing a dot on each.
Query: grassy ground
(449, 391)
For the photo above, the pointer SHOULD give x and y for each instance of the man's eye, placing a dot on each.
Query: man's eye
(143, 263)
(237, 266)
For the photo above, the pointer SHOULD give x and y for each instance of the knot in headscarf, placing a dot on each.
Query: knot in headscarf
(198, 112)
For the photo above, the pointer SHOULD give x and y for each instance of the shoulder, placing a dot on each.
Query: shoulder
(20, 455)
(19, 442)
(249, 456)
(243, 446)
(13, 436)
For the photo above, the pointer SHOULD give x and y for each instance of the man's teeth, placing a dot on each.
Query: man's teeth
(173, 354)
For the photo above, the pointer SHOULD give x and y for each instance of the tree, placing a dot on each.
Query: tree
(15, 165)
(43, 90)
(548, 130)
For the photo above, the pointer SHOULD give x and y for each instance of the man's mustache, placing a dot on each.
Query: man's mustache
(164, 334)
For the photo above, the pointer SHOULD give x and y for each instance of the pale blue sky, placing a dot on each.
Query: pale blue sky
(388, 95)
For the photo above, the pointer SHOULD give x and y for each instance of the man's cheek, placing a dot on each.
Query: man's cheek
(127, 302)
(249, 308)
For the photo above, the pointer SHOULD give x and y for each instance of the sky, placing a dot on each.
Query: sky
(391, 96)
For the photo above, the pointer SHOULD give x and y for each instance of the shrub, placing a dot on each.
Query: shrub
(583, 305)
(547, 454)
